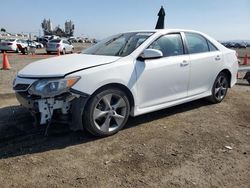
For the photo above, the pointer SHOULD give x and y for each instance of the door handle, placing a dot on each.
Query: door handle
(184, 63)
(217, 58)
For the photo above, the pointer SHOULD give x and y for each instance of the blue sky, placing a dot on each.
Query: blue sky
(222, 19)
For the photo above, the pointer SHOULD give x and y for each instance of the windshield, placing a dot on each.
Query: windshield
(119, 45)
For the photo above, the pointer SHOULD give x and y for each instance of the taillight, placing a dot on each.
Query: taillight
(58, 45)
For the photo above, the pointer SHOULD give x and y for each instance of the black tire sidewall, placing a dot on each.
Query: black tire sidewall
(213, 97)
(90, 106)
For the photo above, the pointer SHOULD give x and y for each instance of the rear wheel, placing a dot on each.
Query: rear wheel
(107, 112)
(247, 77)
(63, 51)
(219, 89)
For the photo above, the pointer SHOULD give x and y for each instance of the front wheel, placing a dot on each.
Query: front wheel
(107, 112)
(25, 51)
(219, 89)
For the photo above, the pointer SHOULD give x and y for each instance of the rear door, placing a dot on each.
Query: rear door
(205, 61)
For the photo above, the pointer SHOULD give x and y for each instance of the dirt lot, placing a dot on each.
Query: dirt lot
(191, 145)
(184, 146)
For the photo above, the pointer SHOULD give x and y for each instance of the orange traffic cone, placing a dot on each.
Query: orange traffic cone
(245, 60)
(6, 65)
(58, 52)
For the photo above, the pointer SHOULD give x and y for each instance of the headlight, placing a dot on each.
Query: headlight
(52, 87)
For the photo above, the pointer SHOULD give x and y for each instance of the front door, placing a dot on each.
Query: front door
(164, 79)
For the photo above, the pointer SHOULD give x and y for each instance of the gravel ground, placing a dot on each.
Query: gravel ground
(191, 145)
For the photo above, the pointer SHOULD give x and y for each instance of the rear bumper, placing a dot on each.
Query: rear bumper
(8, 48)
(53, 49)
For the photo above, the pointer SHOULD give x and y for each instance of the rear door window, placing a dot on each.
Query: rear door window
(196, 43)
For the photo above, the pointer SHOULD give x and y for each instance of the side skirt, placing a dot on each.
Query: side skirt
(140, 111)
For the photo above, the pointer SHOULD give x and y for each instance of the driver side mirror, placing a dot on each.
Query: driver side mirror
(151, 54)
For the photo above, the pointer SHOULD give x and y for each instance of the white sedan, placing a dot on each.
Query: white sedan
(127, 74)
(61, 45)
(9, 45)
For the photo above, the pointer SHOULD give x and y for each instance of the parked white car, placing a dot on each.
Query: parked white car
(62, 45)
(38, 44)
(131, 73)
(9, 45)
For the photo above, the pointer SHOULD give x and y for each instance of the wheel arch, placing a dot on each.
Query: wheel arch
(228, 74)
(122, 87)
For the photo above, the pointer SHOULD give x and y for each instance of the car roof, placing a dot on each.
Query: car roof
(165, 31)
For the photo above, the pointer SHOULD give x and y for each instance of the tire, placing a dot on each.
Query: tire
(106, 112)
(219, 89)
(248, 80)
(247, 77)
(63, 52)
(25, 51)
(72, 51)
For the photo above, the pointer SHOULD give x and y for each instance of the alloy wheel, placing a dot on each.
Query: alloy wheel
(221, 87)
(110, 113)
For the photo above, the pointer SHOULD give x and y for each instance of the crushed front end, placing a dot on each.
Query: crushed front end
(50, 98)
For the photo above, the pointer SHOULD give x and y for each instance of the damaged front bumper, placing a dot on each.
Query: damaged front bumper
(47, 106)
(68, 106)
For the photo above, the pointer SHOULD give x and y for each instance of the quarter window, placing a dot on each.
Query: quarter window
(212, 48)
(170, 45)
(196, 43)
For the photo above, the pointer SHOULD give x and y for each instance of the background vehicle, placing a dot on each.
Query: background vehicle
(127, 74)
(26, 46)
(37, 44)
(44, 41)
(22, 46)
(9, 45)
(72, 40)
(62, 45)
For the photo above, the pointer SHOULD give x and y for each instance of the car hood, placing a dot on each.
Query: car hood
(62, 65)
